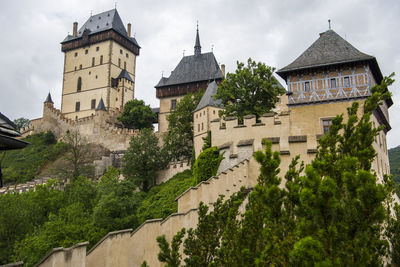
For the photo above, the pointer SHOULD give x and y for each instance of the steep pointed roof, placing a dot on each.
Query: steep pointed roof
(102, 22)
(203, 67)
(197, 46)
(125, 75)
(207, 99)
(328, 49)
(48, 99)
(101, 105)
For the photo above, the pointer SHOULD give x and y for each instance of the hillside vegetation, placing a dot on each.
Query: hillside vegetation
(394, 160)
(37, 221)
(19, 166)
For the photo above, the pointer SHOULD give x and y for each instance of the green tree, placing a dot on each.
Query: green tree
(137, 115)
(117, 204)
(21, 123)
(143, 159)
(179, 138)
(252, 89)
(207, 164)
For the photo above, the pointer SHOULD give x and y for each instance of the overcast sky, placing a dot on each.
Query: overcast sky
(274, 32)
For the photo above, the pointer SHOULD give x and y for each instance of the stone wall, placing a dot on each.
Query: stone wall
(74, 256)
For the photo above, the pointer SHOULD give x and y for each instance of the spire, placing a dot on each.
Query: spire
(48, 99)
(101, 105)
(197, 46)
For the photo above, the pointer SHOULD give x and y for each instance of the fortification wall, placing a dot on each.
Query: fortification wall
(127, 248)
(98, 128)
(74, 256)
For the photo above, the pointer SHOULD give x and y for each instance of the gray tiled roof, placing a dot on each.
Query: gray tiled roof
(101, 22)
(207, 99)
(48, 99)
(328, 49)
(202, 67)
(124, 74)
(101, 105)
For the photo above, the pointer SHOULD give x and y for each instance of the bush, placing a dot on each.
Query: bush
(24, 164)
(160, 200)
(207, 164)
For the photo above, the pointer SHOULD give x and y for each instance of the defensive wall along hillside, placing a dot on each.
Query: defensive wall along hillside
(131, 248)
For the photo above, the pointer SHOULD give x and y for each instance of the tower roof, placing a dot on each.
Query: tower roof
(125, 75)
(202, 67)
(207, 99)
(101, 105)
(102, 22)
(197, 46)
(329, 49)
(48, 99)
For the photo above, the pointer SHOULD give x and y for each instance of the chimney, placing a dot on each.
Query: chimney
(129, 30)
(75, 29)
(223, 70)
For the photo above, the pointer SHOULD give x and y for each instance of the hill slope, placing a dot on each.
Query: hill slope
(394, 160)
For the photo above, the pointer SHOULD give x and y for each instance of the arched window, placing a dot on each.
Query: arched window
(79, 86)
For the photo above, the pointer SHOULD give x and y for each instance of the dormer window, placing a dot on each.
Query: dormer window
(307, 86)
(333, 83)
(346, 81)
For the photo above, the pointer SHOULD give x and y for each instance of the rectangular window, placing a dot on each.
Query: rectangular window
(121, 52)
(346, 81)
(333, 83)
(173, 104)
(101, 59)
(202, 126)
(326, 125)
(198, 127)
(97, 48)
(93, 61)
(127, 55)
(76, 54)
(125, 65)
(119, 62)
(80, 66)
(77, 106)
(93, 104)
(86, 51)
(307, 86)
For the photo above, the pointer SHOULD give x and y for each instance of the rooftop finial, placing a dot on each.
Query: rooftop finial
(184, 52)
(329, 23)
(91, 13)
(212, 48)
(197, 46)
(115, 6)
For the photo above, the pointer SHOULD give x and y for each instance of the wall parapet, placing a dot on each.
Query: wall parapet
(66, 251)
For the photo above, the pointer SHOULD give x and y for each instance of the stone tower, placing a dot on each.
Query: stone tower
(99, 62)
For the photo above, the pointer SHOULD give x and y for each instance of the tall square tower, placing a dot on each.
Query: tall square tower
(99, 63)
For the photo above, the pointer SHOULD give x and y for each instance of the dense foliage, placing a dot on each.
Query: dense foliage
(160, 202)
(33, 223)
(207, 164)
(252, 89)
(179, 138)
(394, 161)
(137, 115)
(332, 212)
(23, 165)
(143, 159)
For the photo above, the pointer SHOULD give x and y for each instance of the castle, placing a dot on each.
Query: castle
(321, 83)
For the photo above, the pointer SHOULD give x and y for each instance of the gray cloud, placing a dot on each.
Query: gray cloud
(274, 32)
